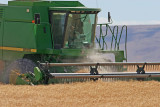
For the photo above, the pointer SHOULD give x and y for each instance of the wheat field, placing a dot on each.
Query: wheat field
(96, 94)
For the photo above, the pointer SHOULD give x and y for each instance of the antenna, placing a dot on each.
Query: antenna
(109, 17)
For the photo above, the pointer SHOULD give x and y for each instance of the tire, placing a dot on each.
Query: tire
(21, 66)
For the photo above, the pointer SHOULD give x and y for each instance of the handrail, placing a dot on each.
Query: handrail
(116, 37)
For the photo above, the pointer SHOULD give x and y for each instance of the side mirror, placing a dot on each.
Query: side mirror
(109, 17)
(37, 18)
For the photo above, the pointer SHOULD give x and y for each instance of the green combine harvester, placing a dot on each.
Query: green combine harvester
(46, 40)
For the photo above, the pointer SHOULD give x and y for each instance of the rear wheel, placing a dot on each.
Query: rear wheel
(20, 66)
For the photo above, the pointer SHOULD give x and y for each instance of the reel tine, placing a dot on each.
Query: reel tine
(156, 67)
(146, 67)
(133, 67)
(149, 69)
(153, 67)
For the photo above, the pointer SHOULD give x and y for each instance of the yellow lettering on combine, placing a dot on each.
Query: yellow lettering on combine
(18, 49)
(33, 50)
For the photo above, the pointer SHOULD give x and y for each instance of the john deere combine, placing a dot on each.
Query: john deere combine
(60, 35)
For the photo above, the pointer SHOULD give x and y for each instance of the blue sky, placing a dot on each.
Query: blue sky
(130, 12)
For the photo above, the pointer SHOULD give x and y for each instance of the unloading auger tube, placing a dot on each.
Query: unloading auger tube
(42, 74)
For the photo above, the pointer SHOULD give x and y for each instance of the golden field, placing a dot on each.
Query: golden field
(96, 94)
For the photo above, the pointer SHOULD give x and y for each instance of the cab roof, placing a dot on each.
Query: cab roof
(76, 9)
(55, 5)
(46, 3)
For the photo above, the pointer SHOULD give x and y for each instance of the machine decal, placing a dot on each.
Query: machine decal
(18, 49)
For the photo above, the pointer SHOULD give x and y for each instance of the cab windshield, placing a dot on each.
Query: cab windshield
(73, 30)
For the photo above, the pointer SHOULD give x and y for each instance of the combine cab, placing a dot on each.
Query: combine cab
(51, 32)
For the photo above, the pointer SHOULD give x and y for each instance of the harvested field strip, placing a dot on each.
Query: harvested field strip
(101, 94)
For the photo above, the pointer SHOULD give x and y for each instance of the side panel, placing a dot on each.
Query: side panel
(17, 36)
(16, 13)
(19, 32)
(1, 29)
(43, 33)
(21, 35)
(2, 9)
(43, 36)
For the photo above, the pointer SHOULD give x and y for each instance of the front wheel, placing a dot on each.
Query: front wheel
(20, 66)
